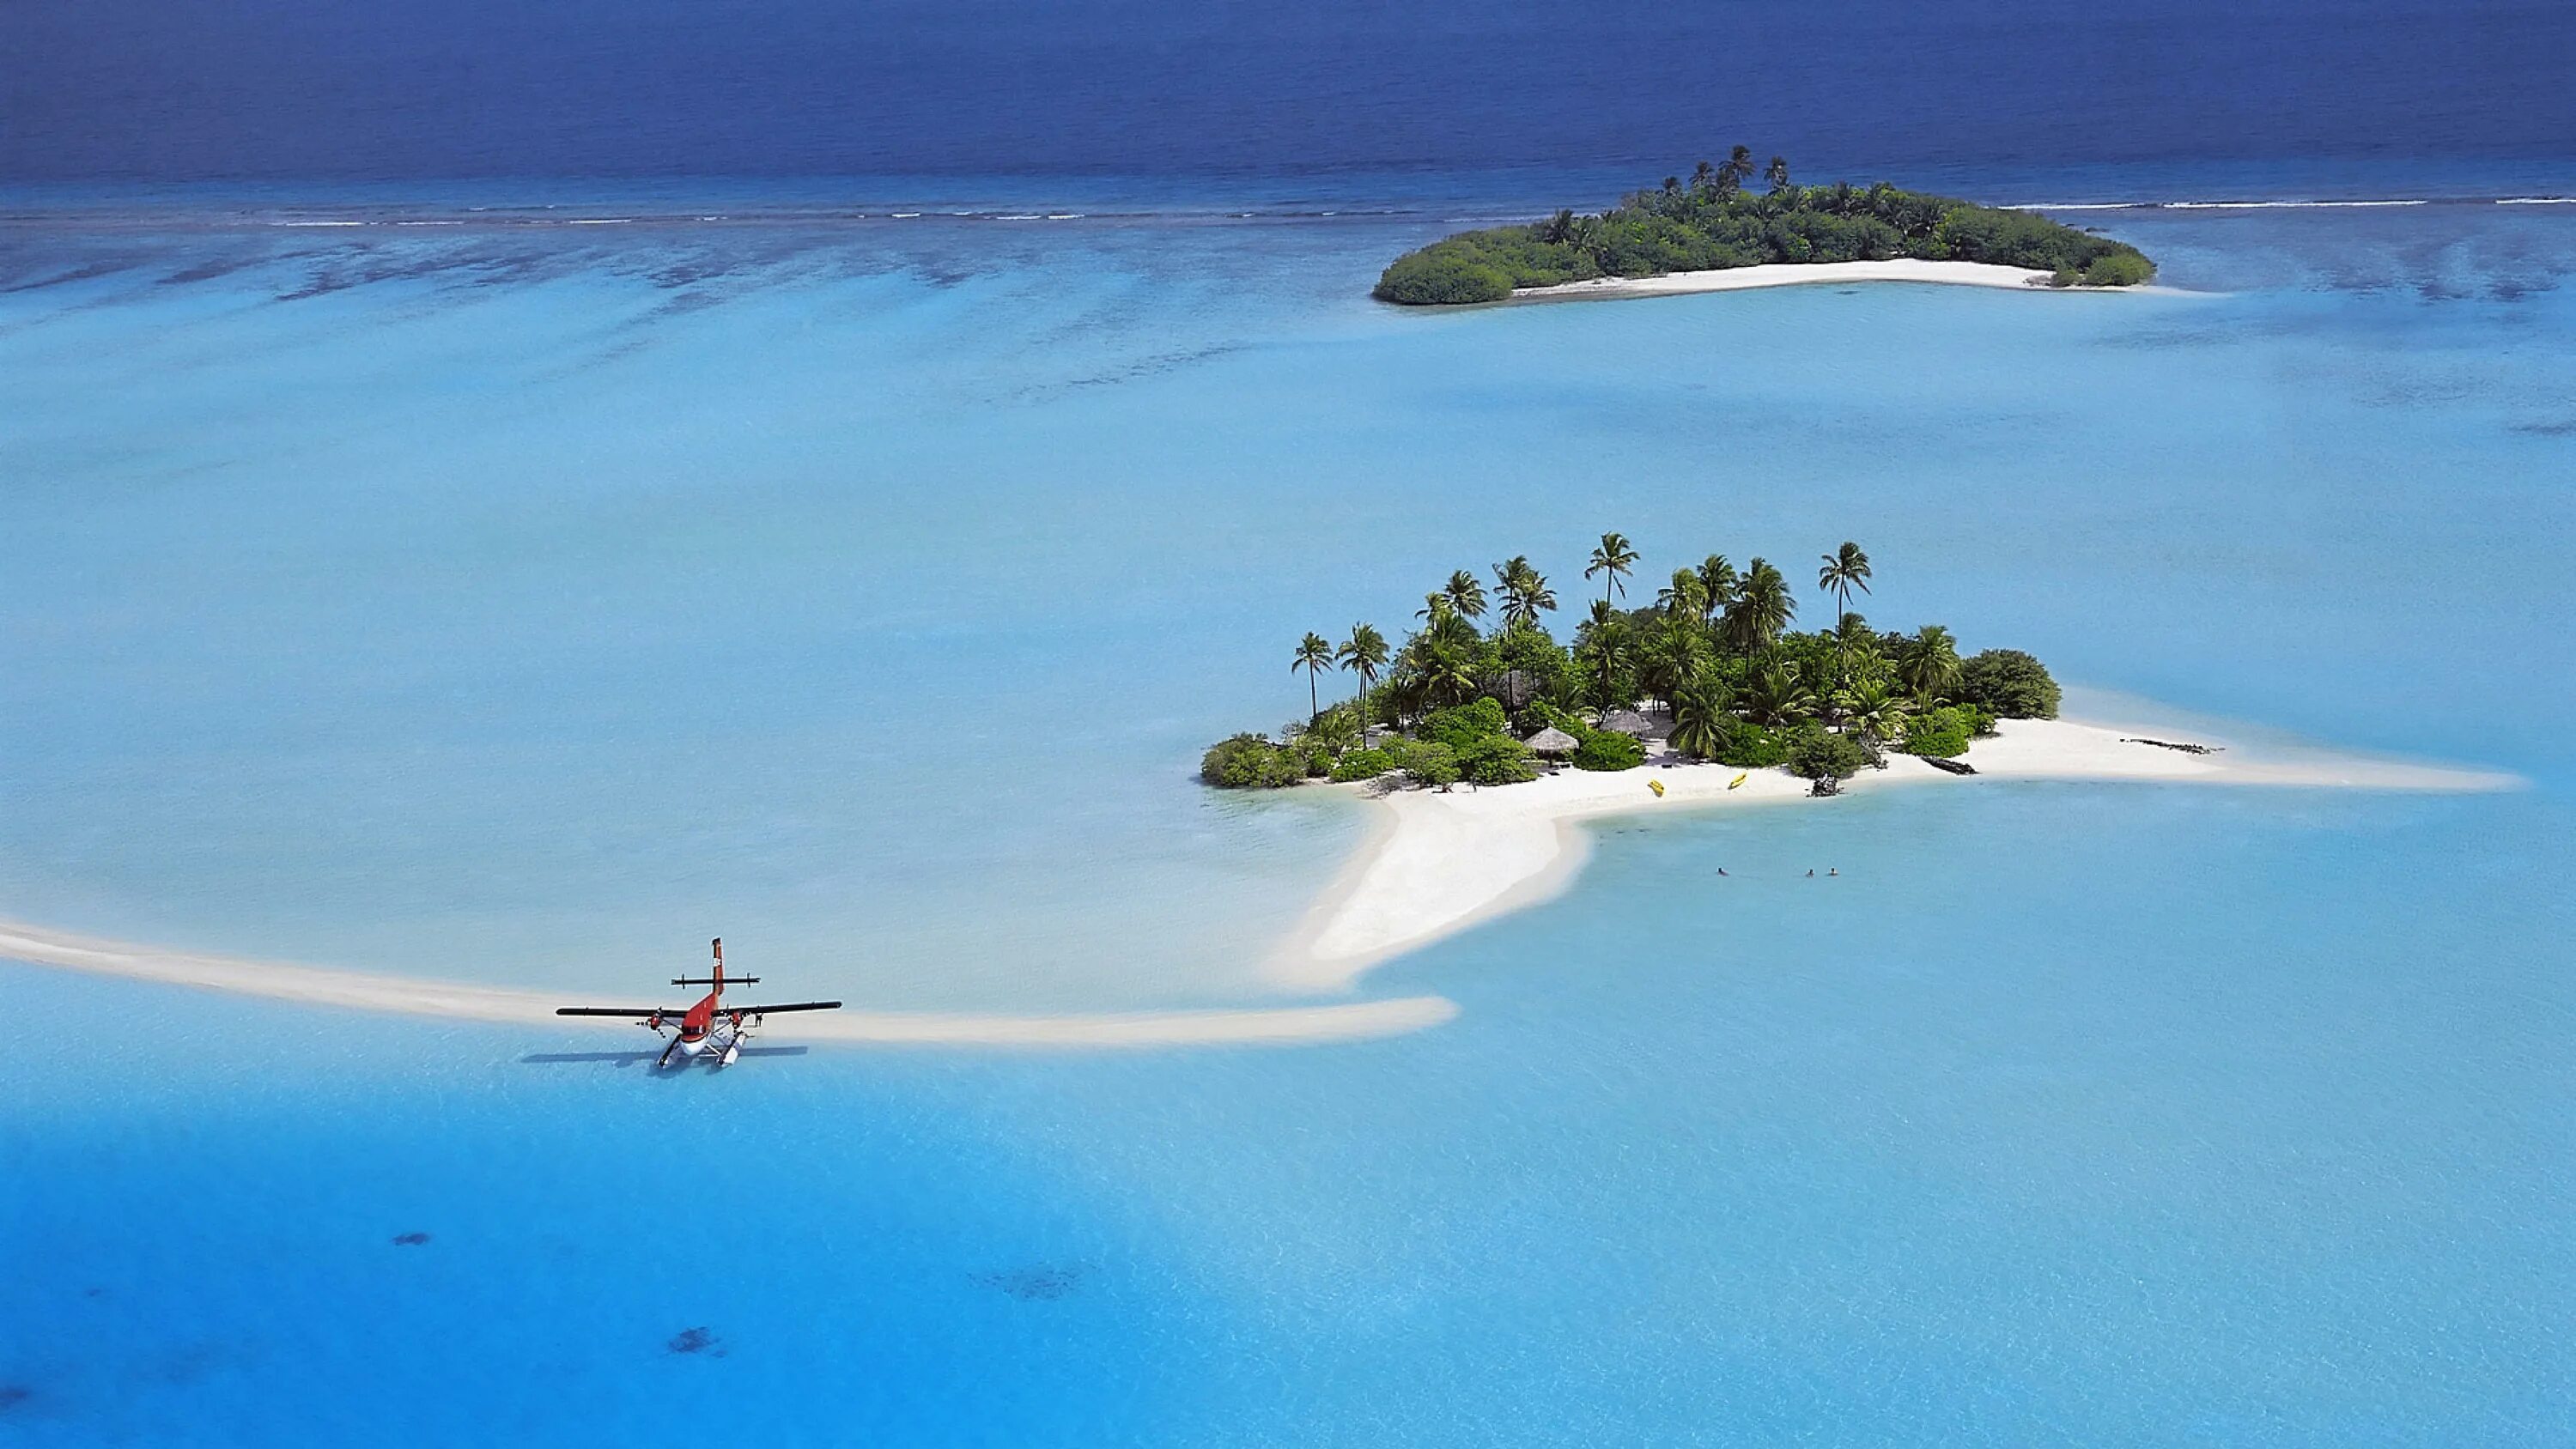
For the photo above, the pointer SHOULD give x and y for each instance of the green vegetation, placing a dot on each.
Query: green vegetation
(1816, 753)
(2009, 684)
(1248, 761)
(1944, 733)
(1714, 222)
(1714, 658)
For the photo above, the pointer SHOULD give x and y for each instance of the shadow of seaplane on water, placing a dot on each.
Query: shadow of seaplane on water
(719, 1033)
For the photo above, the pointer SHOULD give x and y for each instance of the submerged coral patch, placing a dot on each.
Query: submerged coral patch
(1033, 1284)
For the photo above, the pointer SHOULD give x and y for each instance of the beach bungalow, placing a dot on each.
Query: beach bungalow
(1552, 745)
(1630, 722)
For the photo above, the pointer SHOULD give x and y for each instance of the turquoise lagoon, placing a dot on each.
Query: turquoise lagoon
(516, 603)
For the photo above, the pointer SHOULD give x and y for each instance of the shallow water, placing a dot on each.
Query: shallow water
(512, 606)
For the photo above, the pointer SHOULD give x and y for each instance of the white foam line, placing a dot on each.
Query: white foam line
(2280, 205)
(2536, 201)
(466, 1001)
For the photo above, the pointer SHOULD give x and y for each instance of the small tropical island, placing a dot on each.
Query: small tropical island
(1481, 743)
(1715, 221)
(1710, 668)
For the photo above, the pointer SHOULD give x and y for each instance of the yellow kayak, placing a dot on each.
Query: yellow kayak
(1657, 786)
(1740, 779)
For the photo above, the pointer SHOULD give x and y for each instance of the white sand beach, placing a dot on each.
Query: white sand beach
(465, 1001)
(1439, 863)
(1798, 274)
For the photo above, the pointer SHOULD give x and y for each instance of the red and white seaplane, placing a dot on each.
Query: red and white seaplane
(709, 1026)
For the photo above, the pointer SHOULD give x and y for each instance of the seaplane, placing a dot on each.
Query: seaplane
(710, 1027)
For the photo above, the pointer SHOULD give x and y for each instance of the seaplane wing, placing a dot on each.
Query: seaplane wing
(640, 1013)
(791, 1006)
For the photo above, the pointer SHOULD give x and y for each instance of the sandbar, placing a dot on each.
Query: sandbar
(468, 1001)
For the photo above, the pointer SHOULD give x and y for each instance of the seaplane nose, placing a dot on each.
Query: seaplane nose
(692, 1048)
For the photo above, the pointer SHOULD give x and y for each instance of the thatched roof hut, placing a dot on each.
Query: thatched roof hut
(1552, 742)
(1628, 722)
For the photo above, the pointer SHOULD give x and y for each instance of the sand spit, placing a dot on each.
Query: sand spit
(1439, 863)
(465, 1001)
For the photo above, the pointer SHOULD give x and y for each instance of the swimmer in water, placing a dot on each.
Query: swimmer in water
(1837, 870)
(1811, 872)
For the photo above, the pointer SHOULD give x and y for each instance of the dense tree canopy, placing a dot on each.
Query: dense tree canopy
(1713, 222)
(1714, 650)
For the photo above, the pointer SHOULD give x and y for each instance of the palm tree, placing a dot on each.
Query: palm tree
(1446, 665)
(1871, 710)
(1701, 717)
(1314, 655)
(1612, 560)
(1846, 569)
(1435, 606)
(1930, 667)
(1677, 650)
(1466, 595)
(1364, 654)
(1733, 171)
(1605, 638)
(1685, 597)
(1762, 608)
(1525, 590)
(1588, 235)
(1779, 696)
(1717, 581)
(1778, 173)
(1336, 730)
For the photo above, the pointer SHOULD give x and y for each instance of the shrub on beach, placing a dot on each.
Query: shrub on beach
(1495, 760)
(1607, 750)
(1362, 765)
(1940, 733)
(1249, 762)
(2118, 269)
(1816, 753)
(1464, 725)
(1440, 275)
(1431, 765)
(2008, 683)
(1748, 746)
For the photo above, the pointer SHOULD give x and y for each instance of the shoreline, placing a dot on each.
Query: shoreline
(1799, 274)
(1438, 864)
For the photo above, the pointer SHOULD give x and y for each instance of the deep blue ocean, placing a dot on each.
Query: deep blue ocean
(508, 493)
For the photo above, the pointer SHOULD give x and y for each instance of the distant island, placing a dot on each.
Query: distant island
(1711, 669)
(1714, 221)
